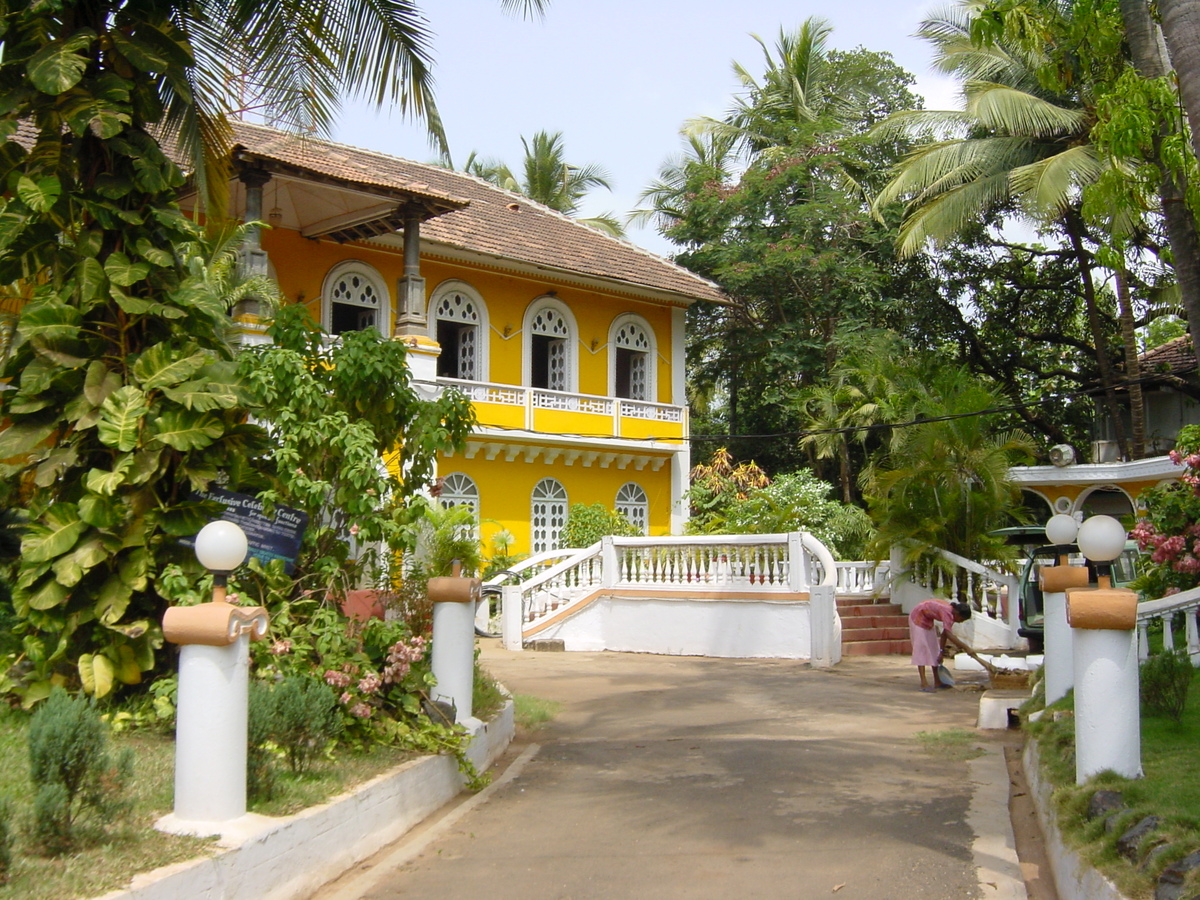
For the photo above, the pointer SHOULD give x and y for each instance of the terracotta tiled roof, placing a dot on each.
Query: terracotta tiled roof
(495, 222)
(346, 165)
(1174, 357)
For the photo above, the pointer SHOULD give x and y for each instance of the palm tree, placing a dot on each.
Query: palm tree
(1147, 47)
(1181, 31)
(1016, 143)
(708, 157)
(793, 91)
(549, 179)
(943, 483)
(195, 62)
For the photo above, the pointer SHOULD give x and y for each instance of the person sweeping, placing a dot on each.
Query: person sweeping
(929, 628)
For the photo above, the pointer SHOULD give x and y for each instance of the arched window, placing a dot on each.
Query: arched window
(354, 297)
(548, 514)
(633, 503)
(458, 320)
(459, 490)
(632, 359)
(549, 346)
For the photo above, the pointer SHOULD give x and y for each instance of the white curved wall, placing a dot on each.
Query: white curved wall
(737, 629)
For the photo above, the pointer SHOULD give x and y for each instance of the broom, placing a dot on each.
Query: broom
(1017, 678)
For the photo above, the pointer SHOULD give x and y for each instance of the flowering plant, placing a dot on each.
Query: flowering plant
(1170, 531)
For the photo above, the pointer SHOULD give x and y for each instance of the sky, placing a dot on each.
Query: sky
(618, 78)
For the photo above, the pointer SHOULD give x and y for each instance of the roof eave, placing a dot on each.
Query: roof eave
(461, 254)
(428, 204)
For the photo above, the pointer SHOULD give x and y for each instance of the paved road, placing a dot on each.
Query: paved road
(681, 777)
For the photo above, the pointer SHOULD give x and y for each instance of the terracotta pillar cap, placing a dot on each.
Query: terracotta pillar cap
(215, 624)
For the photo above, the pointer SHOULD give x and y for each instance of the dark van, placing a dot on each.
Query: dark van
(1032, 608)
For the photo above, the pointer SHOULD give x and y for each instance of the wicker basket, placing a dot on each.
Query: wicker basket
(1010, 679)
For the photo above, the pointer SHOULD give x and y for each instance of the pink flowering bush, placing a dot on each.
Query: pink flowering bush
(1170, 532)
(375, 672)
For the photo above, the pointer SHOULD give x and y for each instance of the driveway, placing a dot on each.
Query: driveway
(682, 777)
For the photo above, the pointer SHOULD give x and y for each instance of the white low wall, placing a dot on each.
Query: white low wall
(1073, 878)
(289, 858)
(732, 628)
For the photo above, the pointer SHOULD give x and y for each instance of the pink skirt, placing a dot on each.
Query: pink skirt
(925, 643)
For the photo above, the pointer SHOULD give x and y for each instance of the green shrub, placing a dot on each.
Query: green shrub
(301, 718)
(1165, 679)
(51, 830)
(260, 769)
(72, 771)
(587, 523)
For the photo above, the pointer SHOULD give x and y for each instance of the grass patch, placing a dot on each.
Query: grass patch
(108, 861)
(487, 696)
(1170, 789)
(532, 713)
(954, 744)
(327, 778)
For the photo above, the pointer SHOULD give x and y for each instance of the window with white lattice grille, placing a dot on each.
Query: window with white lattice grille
(354, 298)
(458, 316)
(460, 490)
(549, 349)
(633, 503)
(548, 514)
(633, 352)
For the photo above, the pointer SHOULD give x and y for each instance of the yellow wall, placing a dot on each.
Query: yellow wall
(1073, 492)
(301, 266)
(506, 490)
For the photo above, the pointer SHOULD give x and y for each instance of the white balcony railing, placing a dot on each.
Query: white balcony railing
(534, 399)
(864, 578)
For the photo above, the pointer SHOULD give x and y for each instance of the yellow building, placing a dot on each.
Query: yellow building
(569, 343)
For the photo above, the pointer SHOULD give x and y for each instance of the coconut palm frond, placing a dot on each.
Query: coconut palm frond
(1049, 185)
(945, 165)
(1000, 108)
(943, 216)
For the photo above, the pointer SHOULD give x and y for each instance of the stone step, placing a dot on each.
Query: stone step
(871, 609)
(859, 635)
(877, 648)
(870, 621)
(862, 600)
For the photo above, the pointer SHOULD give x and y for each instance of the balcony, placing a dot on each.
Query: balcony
(516, 408)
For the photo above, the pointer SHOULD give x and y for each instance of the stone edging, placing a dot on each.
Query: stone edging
(291, 857)
(1074, 879)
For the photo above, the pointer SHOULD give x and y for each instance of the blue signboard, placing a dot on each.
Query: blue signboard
(277, 537)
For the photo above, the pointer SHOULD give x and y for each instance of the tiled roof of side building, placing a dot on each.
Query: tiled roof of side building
(495, 222)
(1175, 356)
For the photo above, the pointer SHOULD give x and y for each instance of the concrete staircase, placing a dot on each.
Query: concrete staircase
(873, 627)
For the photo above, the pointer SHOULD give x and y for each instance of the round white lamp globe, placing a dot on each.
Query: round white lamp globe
(221, 546)
(1061, 529)
(1101, 538)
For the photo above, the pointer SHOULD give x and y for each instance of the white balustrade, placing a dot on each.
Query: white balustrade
(531, 399)
(1185, 604)
(748, 564)
(862, 577)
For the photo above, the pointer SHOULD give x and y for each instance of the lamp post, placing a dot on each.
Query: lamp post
(1059, 666)
(452, 658)
(214, 663)
(1107, 711)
